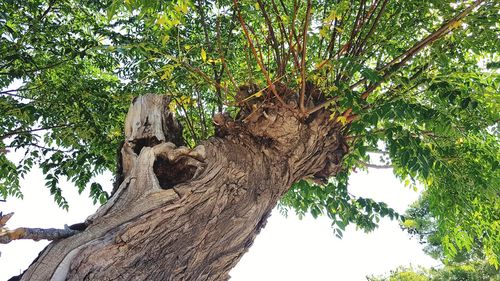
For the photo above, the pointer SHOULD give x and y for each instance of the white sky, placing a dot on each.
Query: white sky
(287, 248)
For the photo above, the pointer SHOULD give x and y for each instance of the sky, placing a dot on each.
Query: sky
(287, 248)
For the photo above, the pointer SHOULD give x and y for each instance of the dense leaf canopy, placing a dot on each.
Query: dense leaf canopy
(414, 82)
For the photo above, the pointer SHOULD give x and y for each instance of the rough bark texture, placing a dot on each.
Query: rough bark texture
(183, 214)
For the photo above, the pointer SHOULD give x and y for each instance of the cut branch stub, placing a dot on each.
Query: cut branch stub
(149, 122)
(152, 152)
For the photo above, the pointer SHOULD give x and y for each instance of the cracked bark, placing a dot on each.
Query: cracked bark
(190, 214)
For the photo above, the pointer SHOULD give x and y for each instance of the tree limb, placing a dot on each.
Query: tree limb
(259, 61)
(374, 166)
(304, 57)
(7, 236)
(21, 131)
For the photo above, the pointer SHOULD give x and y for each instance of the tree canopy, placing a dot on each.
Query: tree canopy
(414, 82)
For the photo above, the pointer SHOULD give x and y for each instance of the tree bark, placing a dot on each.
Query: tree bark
(190, 214)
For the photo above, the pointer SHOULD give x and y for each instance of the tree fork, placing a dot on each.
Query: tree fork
(190, 214)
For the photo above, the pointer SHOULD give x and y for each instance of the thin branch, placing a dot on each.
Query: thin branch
(201, 111)
(283, 34)
(262, 67)
(210, 49)
(22, 89)
(22, 131)
(46, 12)
(26, 72)
(443, 30)
(42, 147)
(223, 51)
(197, 71)
(357, 25)
(292, 45)
(304, 57)
(274, 40)
(374, 166)
(322, 105)
(372, 28)
(10, 94)
(188, 119)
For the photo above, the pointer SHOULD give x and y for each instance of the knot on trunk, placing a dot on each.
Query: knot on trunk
(150, 122)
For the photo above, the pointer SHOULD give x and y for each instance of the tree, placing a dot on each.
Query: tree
(466, 264)
(421, 224)
(473, 271)
(266, 95)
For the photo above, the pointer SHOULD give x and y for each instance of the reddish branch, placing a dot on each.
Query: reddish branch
(304, 57)
(259, 61)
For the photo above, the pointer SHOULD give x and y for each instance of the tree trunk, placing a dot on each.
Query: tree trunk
(190, 214)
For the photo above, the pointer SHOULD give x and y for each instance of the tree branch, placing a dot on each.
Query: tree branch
(259, 61)
(210, 50)
(372, 28)
(374, 166)
(20, 131)
(272, 36)
(7, 236)
(304, 57)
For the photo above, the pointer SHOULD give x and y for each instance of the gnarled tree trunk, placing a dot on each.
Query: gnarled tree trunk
(190, 214)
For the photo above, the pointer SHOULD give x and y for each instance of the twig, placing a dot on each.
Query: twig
(372, 28)
(210, 50)
(274, 40)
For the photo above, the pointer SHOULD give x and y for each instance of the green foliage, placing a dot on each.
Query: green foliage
(472, 271)
(334, 200)
(432, 114)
